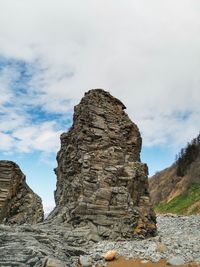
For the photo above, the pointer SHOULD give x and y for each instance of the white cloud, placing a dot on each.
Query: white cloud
(10, 120)
(7, 75)
(6, 142)
(42, 137)
(145, 52)
(171, 130)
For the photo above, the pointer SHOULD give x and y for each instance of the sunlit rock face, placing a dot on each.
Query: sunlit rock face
(18, 203)
(101, 182)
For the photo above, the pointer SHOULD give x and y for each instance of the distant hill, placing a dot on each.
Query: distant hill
(177, 189)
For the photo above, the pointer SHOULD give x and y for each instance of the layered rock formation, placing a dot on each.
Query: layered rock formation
(101, 182)
(39, 245)
(18, 203)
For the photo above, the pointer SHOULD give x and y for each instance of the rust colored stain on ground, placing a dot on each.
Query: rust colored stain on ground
(121, 262)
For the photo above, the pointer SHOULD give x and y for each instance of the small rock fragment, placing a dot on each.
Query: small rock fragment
(144, 261)
(86, 261)
(176, 260)
(97, 257)
(51, 262)
(161, 248)
(110, 255)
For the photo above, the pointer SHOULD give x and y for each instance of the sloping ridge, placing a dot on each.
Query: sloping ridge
(171, 193)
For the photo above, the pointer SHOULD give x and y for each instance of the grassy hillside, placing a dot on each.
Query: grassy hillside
(177, 188)
(187, 203)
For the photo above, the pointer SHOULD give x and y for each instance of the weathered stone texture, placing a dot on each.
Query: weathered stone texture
(100, 179)
(18, 203)
(38, 245)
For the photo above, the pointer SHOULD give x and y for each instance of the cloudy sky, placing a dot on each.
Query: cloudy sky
(146, 53)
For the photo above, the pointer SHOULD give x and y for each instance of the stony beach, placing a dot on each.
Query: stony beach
(178, 241)
(46, 244)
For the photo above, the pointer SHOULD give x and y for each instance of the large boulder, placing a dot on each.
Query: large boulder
(101, 181)
(18, 203)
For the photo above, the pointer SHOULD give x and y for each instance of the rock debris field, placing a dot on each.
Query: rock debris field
(178, 241)
(45, 245)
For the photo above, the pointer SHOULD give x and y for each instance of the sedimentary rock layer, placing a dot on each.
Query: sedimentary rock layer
(101, 181)
(18, 203)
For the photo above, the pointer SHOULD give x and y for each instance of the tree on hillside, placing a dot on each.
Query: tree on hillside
(187, 155)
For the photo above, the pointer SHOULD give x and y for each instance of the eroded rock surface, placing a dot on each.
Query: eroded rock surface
(18, 203)
(101, 182)
(46, 244)
(39, 245)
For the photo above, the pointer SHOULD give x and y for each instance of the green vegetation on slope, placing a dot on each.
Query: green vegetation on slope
(182, 204)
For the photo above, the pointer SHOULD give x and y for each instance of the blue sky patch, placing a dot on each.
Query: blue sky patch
(37, 115)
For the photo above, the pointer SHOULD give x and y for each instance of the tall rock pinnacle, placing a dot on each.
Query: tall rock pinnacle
(101, 182)
(18, 203)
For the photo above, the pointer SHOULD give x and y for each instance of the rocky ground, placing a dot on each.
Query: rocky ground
(46, 245)
(178, 241)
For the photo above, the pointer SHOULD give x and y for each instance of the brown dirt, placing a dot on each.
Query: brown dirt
(121, 262)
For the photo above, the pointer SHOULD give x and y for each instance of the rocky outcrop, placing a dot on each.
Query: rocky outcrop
(101, 182)
(18, 203)
(39, 245)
